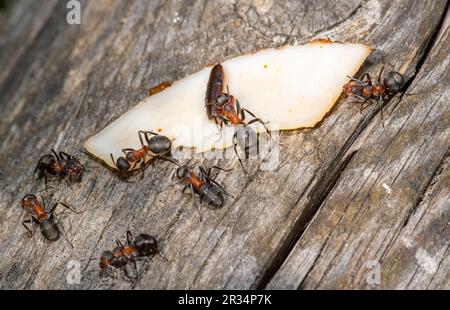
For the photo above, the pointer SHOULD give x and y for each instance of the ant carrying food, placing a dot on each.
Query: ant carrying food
(202, 184)
(365, 90)
(48, 224)
(158, 146)
(142, 246)
(59, 164)
(225, 109)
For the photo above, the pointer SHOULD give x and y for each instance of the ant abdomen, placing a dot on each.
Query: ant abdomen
(49, 229)
(160, 145)
(146, 244)
(394, 81)
(211, 195)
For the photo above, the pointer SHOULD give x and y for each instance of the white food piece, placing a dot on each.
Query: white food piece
(290, 87)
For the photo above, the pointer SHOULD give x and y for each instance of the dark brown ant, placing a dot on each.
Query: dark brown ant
(46, 220)
(142, 246)
(209, 191)
(157, 146)
(365, 91)
(59, 164)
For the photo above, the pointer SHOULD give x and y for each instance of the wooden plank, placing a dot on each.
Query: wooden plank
(389, 212)
(73, 80)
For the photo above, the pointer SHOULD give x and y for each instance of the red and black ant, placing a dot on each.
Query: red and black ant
(365, 91)
(59, 164)
(202, 184)
(225, 109)
(158, 146)
(142, 246)
(48, 224)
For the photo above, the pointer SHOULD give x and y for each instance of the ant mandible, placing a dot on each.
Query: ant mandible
(365, 90)
(157, 146)
(142, 246)
(59, 164)
(202, 184)
(48, 224)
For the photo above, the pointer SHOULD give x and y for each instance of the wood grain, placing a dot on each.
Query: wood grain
(66, 82)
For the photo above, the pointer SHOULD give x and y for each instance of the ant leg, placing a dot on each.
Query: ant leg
(114, 162)
(236, 152)
(61, 154)
(64, 233)
(368, 79)
(125, 151)
(184, 189)
(56, 155)
(256, 119)
(218, 168)
(191, 187)
(64, 205)
(140, 132)
(380, 103)
(30, 230)
(169, 159)
(119, 243)
(379, 74)
(130, 238)
(362, 105)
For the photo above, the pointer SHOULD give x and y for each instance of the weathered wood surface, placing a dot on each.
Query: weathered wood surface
(345, 194)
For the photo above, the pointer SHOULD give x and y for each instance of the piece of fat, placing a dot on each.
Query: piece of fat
(290, 87)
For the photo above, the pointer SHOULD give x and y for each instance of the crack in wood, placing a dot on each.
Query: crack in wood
(317, 195)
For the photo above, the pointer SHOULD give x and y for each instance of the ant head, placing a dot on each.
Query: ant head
(29, 200)
(182, 172)
(223, 99)
(122, 164)
(146, 244)
(106, 258)
(394, 81)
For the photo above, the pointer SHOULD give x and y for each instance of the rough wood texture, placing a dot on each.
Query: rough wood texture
(346, 192)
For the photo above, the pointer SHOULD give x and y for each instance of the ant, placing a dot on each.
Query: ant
(59, 164)
(203, 185)
(157, 146)
(143, 245)
(225, 109)
(46, 220)
(365, 90)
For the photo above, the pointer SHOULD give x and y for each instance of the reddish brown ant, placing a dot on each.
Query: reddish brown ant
(157, 146)
(202, 184)
(59, 164)
(142, 246)
(365, 91)
(224, 108)
(46, 220)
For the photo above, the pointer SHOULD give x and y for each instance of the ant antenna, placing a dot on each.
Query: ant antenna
(18, 198)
